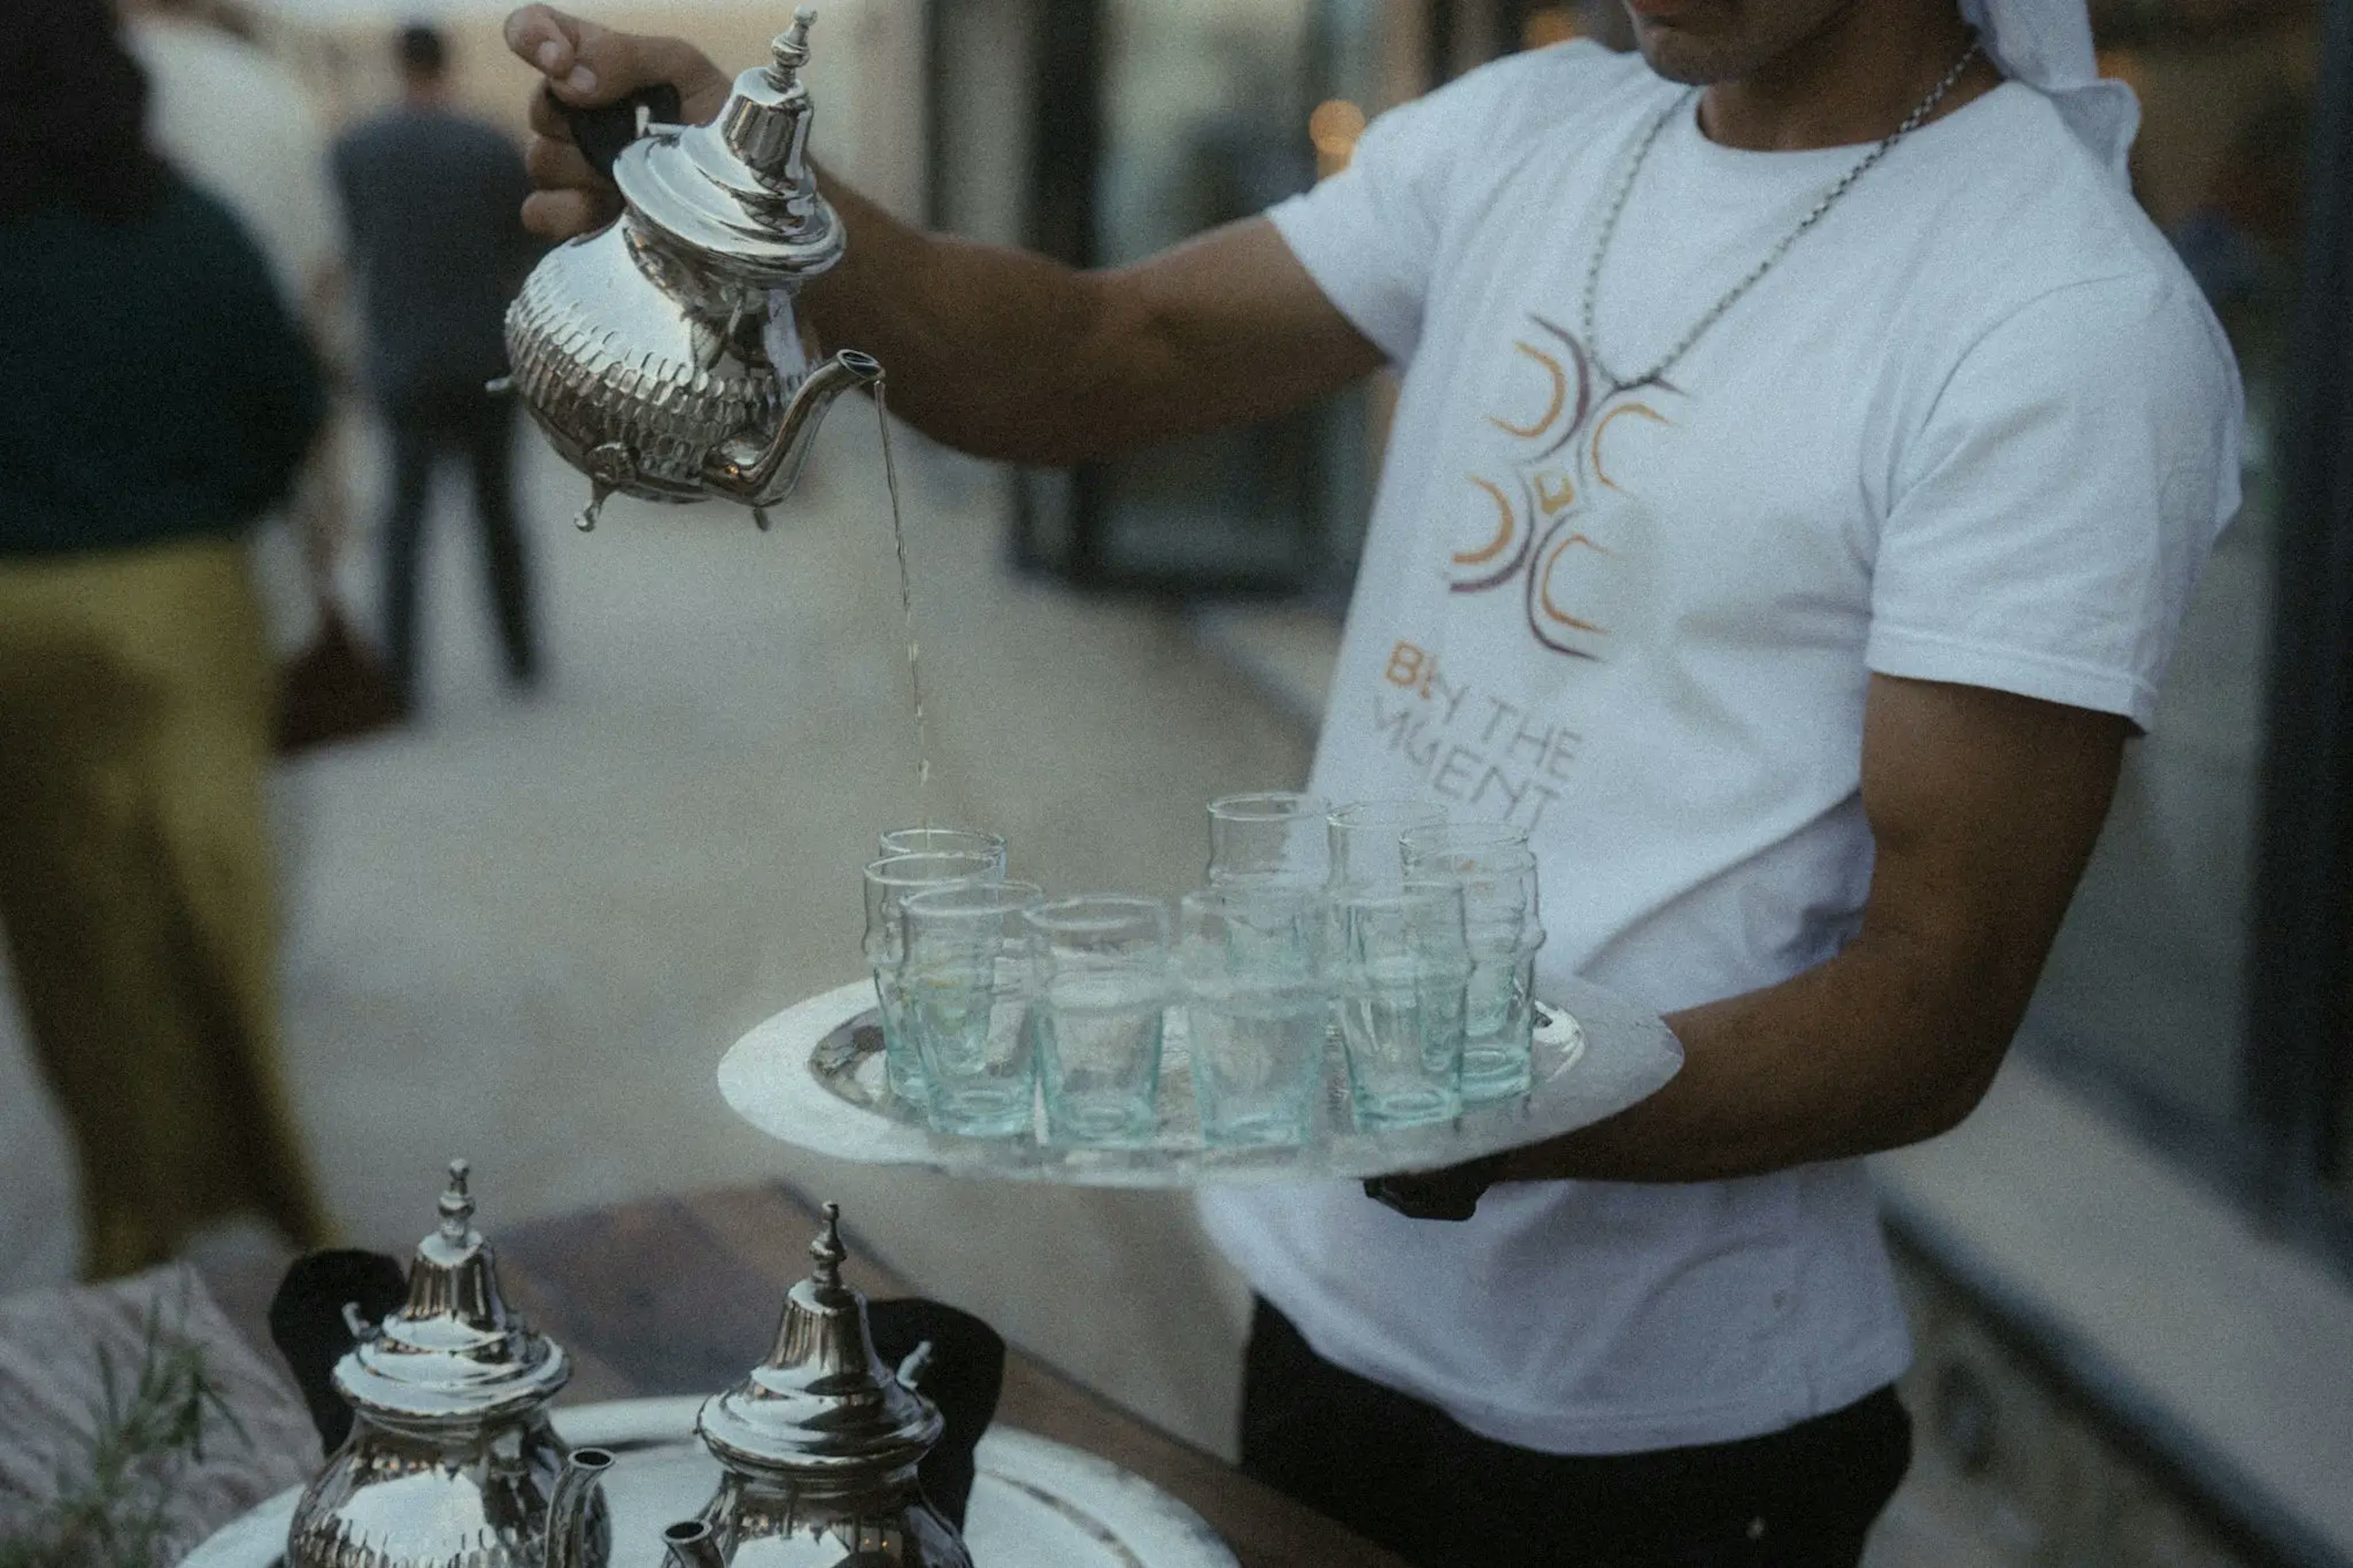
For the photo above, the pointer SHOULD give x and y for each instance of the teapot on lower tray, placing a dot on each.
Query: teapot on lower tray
(818, 1448)
(450, 1459)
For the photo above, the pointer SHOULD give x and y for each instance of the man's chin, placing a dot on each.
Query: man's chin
(1686, 65)
(1673, 53)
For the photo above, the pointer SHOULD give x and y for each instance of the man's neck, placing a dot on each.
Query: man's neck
(1854, 81)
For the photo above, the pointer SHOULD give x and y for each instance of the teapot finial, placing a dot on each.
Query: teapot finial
(792, 49)
(457, 1205)
(827, 1249)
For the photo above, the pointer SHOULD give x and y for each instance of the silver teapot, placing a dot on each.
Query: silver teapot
(816, 1449)
(661, 353)
(451, 1460)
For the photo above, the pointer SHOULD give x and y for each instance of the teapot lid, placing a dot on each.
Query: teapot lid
(452, 1354)
(739, 193)
(822, 1405)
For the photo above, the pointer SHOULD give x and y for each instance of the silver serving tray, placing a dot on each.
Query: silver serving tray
(1035, 1503)
(812, 1077)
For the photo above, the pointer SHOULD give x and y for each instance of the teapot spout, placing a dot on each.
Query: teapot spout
(762, 474)
(574, 1523)
(692, 1545)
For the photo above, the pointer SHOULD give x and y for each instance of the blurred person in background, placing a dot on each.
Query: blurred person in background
(432, 197)
(238, 124)
(159, 399)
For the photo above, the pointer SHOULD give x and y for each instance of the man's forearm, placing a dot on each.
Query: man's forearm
(1014, 356)
(1857, 1055)
(961, 328)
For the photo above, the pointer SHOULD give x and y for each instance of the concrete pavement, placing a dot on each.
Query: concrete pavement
(525, 930)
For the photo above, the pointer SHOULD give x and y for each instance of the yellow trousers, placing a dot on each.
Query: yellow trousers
(136, 888)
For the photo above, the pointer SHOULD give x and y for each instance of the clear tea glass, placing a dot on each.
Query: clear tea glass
(1099, 975)
(1276, 836)
(1498, 881)
(1401, 974)
(966, 977)
(889, 881)
(1365, 841)
(942, 841)
(1257, 1010)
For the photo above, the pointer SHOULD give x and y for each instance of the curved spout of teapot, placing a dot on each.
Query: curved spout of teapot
(692, 1545)
(763, 473)
(573, 1521)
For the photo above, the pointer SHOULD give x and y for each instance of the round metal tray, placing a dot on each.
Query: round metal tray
(1035, 1503)
(812, 1077)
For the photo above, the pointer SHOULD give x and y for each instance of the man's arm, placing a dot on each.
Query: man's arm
(1984, 808)
(1001, 352)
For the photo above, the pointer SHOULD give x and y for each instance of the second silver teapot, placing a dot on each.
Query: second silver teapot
(662, 355)
(817, 1447)
(451, 1462)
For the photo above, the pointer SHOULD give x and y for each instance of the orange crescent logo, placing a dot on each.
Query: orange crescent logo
(1551, 410)
(1503, 529)
(1602, 423)
(1543, 587)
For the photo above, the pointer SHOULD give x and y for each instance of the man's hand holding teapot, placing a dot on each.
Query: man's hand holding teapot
(586, 66)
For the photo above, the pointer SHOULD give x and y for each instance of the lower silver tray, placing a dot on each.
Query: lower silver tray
(812, 1077)
(1035, 1503)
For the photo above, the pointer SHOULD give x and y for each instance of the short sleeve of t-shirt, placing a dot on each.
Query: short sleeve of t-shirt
(2049, 519)
(1370, 234)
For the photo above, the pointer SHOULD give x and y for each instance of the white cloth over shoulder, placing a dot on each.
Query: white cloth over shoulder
(2047, 44)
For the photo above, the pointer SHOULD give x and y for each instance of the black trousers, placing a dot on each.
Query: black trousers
(1403, 1474)
(466, 422)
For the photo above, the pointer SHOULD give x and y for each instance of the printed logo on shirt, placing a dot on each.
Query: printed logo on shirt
(1557, 514)
(1553, 511)
(1468, 744)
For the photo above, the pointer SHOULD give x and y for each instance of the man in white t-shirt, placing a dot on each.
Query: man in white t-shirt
(1805, 454)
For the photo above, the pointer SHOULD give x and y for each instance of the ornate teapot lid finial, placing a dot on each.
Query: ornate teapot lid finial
(791, 49)
(823, 1403)
(739, 193)
(457, 1207)
(828, 1250)
(453, 1353)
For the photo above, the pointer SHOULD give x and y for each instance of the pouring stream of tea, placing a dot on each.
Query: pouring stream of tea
(906, 609)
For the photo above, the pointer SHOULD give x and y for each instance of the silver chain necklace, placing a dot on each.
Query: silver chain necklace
(1912, 122)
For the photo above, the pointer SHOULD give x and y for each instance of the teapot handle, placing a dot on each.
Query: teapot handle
(602, 132)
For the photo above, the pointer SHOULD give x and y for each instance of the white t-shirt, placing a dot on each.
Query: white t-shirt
(1976, 426)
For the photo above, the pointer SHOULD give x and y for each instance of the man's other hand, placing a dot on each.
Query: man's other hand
(587, 66)
(1451, 1193)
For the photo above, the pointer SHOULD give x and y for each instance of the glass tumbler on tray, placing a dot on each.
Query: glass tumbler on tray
(1401, 974)
(1269, 836)
(1099, 976)
(889, 881)
(1364, 841)
(942, 841)
(966, 979)
(1497, 874)
(1256, 1010)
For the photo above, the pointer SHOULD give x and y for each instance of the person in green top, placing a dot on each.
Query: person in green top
(157, 400)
